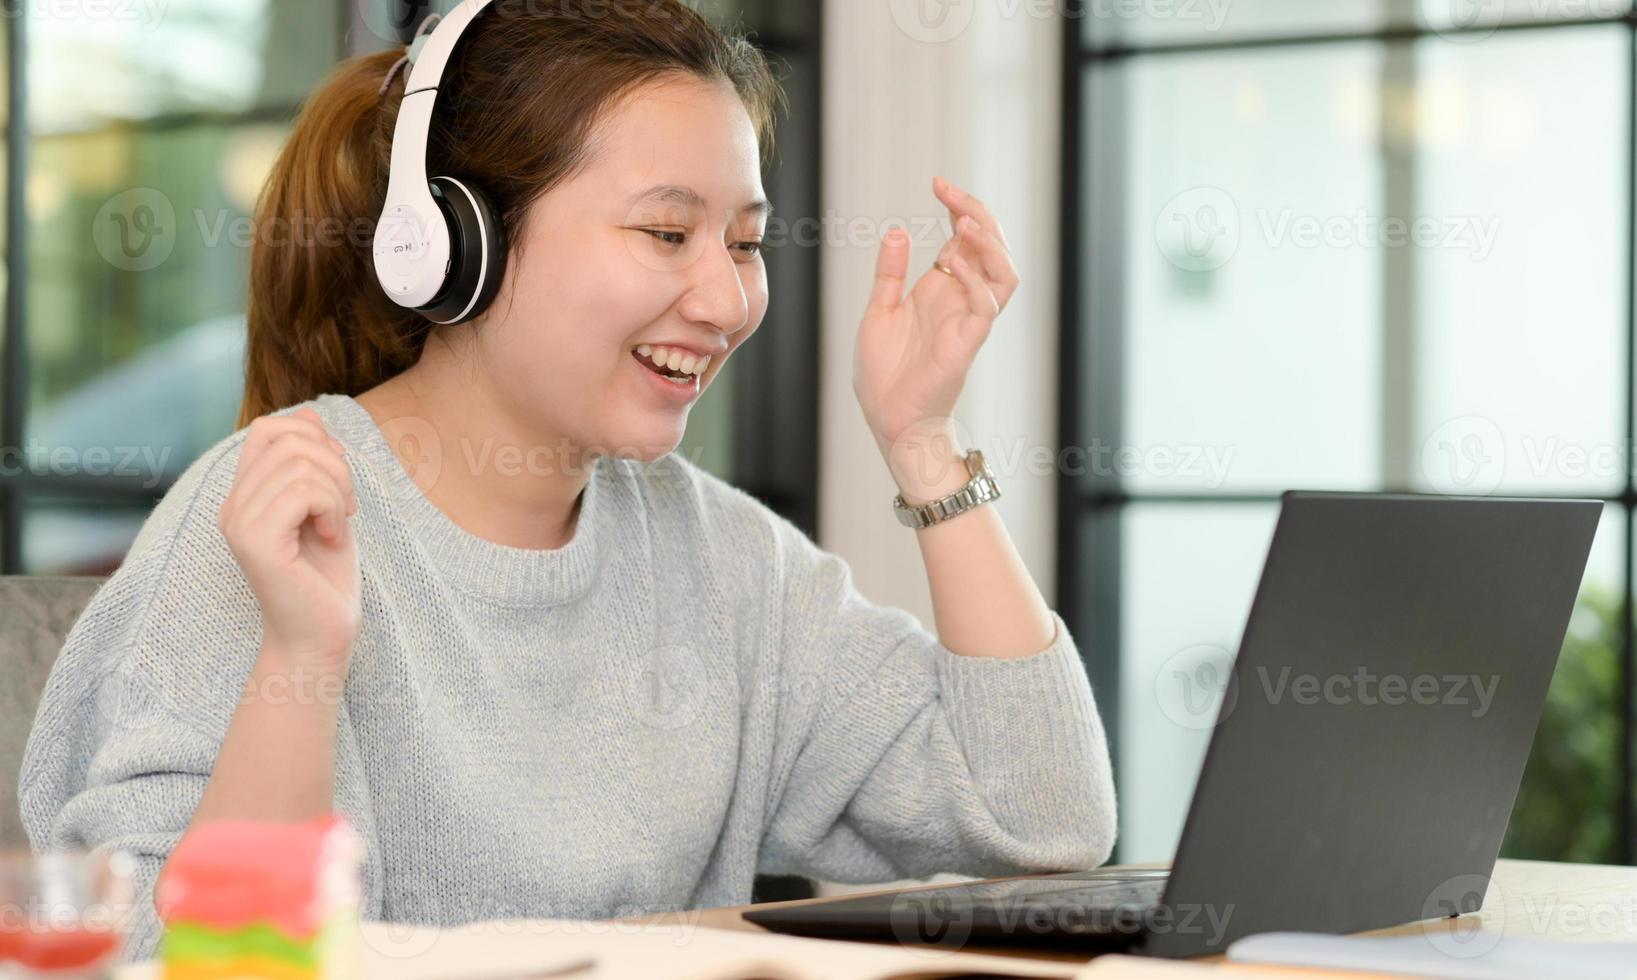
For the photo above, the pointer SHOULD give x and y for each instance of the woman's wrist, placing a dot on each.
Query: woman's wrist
(926, 466)
(278, 658)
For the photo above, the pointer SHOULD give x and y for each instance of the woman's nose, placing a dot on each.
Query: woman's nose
(717, 294)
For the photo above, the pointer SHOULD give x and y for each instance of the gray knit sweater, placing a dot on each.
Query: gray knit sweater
(687, 693)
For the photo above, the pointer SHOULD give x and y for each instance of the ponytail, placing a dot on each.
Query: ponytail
(317, 320)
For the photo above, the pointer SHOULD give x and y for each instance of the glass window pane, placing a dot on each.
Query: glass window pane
(1357, 230)
(78, 536)
(1232, 319)
(1188, 573)
(136, 330)
(1519, 291)
(780, 18)
(94, 63)
(1106, 23)
(1568, 805)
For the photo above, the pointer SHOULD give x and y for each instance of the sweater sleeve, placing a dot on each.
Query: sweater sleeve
(139, 699)
(903, 759)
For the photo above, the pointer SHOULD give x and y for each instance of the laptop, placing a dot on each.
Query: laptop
(1365, 758)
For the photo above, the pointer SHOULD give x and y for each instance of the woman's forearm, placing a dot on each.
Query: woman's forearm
(277, 761)
(984, 599)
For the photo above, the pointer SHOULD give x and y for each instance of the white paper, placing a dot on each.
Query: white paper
(1483, 956)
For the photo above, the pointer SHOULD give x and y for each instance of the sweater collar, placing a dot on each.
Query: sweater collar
(501, 574)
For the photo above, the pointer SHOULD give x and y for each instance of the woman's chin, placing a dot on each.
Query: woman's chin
(648, 440)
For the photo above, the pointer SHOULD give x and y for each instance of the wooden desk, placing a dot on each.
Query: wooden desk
(1577, 903)
(1570, 902)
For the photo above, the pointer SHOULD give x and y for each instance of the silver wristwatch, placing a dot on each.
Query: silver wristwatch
(979, 490)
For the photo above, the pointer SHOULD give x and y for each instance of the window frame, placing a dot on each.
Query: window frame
(1090, 378)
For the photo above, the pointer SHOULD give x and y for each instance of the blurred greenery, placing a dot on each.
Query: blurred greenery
(1567, 807)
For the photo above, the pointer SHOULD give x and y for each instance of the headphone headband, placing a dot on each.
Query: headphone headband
(415, 255)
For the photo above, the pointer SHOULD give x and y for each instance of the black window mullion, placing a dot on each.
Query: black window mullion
(1626, 848)
(1386, 35)
(14, 370)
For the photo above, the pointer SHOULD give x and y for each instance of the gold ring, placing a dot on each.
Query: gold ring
(944, 269)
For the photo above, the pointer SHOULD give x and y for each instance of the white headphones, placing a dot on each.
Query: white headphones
(439, 248)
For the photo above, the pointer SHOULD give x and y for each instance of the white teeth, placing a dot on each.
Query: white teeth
(675, 359)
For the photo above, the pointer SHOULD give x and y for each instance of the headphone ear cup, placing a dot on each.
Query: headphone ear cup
(477, 253)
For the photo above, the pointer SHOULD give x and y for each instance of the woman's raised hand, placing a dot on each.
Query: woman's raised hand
(285, 520)
(913, 352)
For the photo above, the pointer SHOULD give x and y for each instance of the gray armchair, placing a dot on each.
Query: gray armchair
(35, 616)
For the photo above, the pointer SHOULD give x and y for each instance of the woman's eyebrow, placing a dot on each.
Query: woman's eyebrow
(687, 197)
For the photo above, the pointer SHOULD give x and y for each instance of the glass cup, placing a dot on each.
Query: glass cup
(63, 914)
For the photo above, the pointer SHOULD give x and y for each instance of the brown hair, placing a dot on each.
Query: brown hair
(516, 112)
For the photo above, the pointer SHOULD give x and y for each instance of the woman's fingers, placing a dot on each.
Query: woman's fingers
(952, 247)
(299, 500)
(891, 265)
(978, 245)
(289, 497)
(260, 435)
(291, 455)
(282, 452)
(263, 431)
(980, 299)
(290, 447)
(959, 202)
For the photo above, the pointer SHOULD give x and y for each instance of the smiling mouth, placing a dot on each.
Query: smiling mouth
(671, 364)
(674, 375)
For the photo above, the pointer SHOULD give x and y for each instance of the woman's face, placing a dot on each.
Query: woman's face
(653, 248)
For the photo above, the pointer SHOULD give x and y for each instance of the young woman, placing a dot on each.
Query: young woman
(452, 581)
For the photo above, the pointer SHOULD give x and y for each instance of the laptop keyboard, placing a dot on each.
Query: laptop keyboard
(1107, 893)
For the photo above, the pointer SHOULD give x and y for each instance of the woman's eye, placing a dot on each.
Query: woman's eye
(750, 248)
(675, 238)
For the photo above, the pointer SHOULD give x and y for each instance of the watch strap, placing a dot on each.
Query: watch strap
(979, 490)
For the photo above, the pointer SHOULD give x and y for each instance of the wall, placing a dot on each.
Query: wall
(974, 98)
